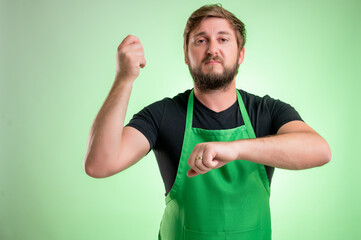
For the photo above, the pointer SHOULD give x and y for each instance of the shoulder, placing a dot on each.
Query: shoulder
(154, 118)
(167, 107)
(252, 101)
(267, 110)
(273, 105)
(181, 99)
(175, 108)
(167, 103)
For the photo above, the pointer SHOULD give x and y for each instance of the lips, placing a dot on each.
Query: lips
(213, 62)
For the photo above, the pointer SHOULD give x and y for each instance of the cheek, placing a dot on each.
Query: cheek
(194, 59)
(195, 54)
(233, 57)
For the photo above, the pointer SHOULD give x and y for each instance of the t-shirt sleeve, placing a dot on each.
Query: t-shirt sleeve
(148, 121)
(281, 113)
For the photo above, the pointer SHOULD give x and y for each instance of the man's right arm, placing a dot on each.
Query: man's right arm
(111, 147)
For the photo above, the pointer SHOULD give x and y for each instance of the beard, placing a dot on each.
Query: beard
(213, 81)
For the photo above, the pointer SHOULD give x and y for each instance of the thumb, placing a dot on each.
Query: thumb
(191, 173)
(142, 63)
(214, 163)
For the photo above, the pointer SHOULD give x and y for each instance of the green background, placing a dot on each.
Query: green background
(58, 65)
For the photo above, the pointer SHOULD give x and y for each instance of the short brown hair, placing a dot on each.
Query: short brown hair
(214, 10)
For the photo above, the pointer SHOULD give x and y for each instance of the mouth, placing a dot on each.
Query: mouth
(213, 62)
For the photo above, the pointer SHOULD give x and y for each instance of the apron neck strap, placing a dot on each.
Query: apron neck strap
(247, 122)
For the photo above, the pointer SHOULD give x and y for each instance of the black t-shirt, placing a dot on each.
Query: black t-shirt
(163, 124)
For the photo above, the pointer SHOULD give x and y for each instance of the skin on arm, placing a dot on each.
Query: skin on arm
(112, 148)
(134, 146)
(295, 146)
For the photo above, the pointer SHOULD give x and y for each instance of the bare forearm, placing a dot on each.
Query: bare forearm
(105, 134)
(287, 151)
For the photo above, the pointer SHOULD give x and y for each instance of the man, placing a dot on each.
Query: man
(216, 146)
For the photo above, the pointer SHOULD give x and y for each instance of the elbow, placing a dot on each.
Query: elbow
(325, 154)
(92, 171)
(319, 156)
(328, 154)
(89, 170)
(99, 169)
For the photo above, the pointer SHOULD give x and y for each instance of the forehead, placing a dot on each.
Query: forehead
(213, 25)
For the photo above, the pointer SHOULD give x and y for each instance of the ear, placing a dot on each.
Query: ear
(185, 58)
(241, 56)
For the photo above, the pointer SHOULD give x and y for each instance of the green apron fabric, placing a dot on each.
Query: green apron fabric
(227, 203)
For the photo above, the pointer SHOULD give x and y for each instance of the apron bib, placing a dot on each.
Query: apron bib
(227, 203)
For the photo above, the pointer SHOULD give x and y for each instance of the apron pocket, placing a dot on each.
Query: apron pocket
(246, 234)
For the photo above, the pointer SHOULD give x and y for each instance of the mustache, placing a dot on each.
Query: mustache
(210, 58)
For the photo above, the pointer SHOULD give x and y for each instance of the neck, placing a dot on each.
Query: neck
(218, 100)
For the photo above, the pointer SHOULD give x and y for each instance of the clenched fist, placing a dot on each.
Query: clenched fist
(130, 58)
(210, 155)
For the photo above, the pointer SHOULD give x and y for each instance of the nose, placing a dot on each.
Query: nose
(212, 47)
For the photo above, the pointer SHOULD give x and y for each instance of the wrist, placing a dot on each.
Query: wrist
(120, 77)
(123, 80)
(239, 148)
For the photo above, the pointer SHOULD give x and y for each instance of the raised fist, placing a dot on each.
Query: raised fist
(130, 58)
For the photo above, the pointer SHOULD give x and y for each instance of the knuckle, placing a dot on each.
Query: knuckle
(207, 147)
(208, 164)
(133, 37)
(198, 163)
(126, 54)
(120, 49)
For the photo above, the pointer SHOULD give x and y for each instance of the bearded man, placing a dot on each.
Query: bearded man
(216, 146)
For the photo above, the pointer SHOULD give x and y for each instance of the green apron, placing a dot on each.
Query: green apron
(228, 203)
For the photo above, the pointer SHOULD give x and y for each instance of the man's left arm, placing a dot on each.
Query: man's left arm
(295, 146)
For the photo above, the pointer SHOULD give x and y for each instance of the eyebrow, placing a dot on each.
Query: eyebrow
(204, 33)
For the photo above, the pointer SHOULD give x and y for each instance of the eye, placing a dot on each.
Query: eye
(224, 40)
(200, 41)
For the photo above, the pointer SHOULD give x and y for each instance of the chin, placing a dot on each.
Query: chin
(217, 73)
(213, 69)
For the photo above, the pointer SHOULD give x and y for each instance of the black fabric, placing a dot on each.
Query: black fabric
(163, 124)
